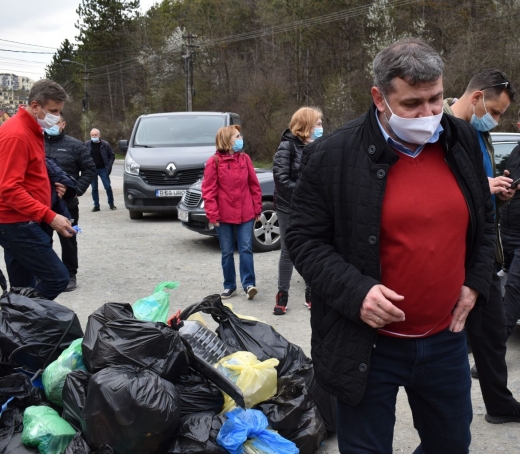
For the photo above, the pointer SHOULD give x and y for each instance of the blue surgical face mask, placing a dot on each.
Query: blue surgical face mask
(54, 131)
(484, 124)
(238, 145)
(95, 139)
(316, 133)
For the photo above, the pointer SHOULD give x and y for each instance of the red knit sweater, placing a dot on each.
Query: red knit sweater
(25, 189)
(423, 242)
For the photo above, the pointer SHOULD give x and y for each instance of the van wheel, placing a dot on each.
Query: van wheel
(266, 231)
(135, 214)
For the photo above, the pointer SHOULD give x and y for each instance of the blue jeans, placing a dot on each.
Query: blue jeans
(435, 374)
(105, 179)
(29, 255)
(244, 238)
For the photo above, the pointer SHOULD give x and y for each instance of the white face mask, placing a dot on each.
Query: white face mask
(49, 121)
(414, 130)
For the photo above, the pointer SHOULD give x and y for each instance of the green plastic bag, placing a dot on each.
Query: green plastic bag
(43, 428)
(55, 373)
(155, 308)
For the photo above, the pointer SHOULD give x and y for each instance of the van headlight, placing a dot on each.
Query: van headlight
(131, 167)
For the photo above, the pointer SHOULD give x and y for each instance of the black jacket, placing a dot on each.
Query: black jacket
(510, 212)
(107, 154)
(333, 238)
(286, 169)
(73, 157)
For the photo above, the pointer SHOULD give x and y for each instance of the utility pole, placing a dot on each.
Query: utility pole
(85, 98)
(188, 70)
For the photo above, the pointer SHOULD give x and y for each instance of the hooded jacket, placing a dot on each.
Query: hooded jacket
(334, 230)
(230, 189)
(286, 169)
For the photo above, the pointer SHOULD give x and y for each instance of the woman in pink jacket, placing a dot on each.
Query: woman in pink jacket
(233, 202)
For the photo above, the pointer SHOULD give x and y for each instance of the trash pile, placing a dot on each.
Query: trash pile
(137, 383)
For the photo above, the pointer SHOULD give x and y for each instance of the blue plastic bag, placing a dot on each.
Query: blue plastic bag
(155, 308)
(245, 432)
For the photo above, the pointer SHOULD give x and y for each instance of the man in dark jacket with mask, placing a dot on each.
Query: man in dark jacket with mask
(392, 226)
(485, 100)
(103, 157)
(74, 158)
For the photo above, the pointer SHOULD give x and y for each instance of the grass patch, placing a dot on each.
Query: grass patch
(263, 164)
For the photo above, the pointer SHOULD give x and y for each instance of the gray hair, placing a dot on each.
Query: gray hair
(47, 90)
(410, 59)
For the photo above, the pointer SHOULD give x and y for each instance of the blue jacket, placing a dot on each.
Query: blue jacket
(57, 175)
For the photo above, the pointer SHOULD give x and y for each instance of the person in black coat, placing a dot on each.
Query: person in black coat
(304, 128)
(73, 157)
(392, 225)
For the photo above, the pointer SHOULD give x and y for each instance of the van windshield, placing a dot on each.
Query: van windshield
(178, 130)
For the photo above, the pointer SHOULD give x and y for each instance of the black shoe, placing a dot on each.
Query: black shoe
(228, 293)
(251, 292)
(71, 286)
(474, 372)
(514, 416)
(96, 209)
(282, 298)
(113, 207)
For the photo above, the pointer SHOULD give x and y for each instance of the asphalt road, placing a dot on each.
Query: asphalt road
(122, 260)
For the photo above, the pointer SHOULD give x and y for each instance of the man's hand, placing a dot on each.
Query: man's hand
(62, 225)
(60, 189)
(461, 310)
(377, 309)
(505, 196)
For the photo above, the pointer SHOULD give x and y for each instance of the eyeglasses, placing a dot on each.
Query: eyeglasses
(505, 84)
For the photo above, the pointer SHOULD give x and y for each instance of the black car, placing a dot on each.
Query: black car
(266, 231)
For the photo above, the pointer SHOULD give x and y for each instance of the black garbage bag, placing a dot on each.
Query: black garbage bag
(256, 337)
(6, 368)
(153, 345)
(106, 313)
(34, 331)
(197, 434)
(16, 446)
(3, 281)
(197, 394)
(132, 410)
(74, 398)
(79, 446)
(19, 391)
(293, 414)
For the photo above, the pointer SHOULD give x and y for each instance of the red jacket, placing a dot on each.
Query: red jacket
(232, 193)
(25, 189)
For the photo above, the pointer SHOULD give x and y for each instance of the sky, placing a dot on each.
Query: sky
(41, 26)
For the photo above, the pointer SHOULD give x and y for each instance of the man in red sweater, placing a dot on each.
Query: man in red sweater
(25, 195)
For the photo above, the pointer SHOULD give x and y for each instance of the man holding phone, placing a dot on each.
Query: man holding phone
(485, 100)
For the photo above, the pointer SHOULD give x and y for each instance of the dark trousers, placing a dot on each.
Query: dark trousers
(29, 255)
(69, 246)
(489, 351)
(434, 372)
(511, 246)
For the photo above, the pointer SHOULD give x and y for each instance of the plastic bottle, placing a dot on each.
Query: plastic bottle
(204, 342)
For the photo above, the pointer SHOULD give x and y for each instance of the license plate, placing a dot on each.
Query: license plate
(169, 192)
(182, 215)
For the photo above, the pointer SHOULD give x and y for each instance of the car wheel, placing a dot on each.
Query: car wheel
(135, 214)
(266, 231)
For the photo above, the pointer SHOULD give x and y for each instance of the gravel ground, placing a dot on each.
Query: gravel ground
(122, 260)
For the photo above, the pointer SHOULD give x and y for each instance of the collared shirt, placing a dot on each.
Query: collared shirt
(400, 147)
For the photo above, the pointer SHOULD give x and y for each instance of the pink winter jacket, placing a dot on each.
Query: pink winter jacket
(231, 193)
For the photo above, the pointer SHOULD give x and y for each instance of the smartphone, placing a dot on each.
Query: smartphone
(514, 174)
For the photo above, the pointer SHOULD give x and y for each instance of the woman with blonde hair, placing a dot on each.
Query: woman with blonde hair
(305, 127)
(233, 202)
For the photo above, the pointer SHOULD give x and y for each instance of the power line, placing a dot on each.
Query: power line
(26, 44)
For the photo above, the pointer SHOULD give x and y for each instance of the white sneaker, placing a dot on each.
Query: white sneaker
(251, 292)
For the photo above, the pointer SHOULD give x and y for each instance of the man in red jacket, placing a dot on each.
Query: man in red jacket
(25, 195)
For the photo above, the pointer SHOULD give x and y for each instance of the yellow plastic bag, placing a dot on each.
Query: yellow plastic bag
(256, 379)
